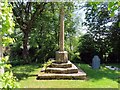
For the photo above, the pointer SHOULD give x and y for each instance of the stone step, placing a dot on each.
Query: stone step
(72, 69)
(48, 76)
(62, 65)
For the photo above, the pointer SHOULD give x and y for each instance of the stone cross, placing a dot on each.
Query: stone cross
(61, 55)
(61, 37)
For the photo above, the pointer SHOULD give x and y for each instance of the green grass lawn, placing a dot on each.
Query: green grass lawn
(102, 78)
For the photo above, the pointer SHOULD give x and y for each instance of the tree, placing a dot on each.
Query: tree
(46, 30)
(98, 19)
(87, 48)
(43, 36)
(115, 39)
(7, 80)
(25, 15)
(6, 26)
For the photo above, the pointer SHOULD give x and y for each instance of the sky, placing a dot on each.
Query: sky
(79, 15)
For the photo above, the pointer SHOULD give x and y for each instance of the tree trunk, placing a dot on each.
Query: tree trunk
(1, 54)
(25, 48)
(0, 47)
(101, 55)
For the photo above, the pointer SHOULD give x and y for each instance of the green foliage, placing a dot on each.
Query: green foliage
(100, 30)
(6, 28)
(86, 48)
(44, 34)
(119, 80)
(71, 45)
(7, 79)
(113, 7)
(4, 62)
(48, 63)
(7, 23)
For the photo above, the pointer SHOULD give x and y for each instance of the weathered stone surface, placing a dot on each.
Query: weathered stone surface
(61, 36)
(80, 75)
(72, 69)
(61, 56)
(62, 73)
(62, 65)
(96, 62)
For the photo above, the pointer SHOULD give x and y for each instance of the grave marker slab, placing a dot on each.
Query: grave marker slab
(96, 62)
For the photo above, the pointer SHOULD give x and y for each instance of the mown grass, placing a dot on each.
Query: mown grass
(102, 78)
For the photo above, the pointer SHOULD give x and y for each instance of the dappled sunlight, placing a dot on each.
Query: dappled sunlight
(99, 74)
(36, 32)
(25, 71)
(95, 78)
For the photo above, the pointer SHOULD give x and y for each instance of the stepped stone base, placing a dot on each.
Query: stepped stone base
(48, 76)
(62, 65)
(61, 71)
(69, 70)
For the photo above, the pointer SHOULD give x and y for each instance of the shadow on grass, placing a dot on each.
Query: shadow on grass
(24, 71)
(97, 74)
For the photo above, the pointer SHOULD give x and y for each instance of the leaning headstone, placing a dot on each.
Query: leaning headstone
(96, 62)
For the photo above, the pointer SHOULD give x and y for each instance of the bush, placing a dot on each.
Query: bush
(7, 79)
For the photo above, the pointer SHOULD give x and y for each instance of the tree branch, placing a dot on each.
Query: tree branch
(39, 10)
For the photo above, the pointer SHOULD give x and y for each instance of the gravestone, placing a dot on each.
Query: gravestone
(96, 62)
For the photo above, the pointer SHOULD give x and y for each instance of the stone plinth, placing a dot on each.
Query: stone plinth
(61, 65)
(69, 70)
(47, 76)
(61, 56)
(61, 71)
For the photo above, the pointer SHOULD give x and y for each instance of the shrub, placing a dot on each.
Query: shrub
(7, 79)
